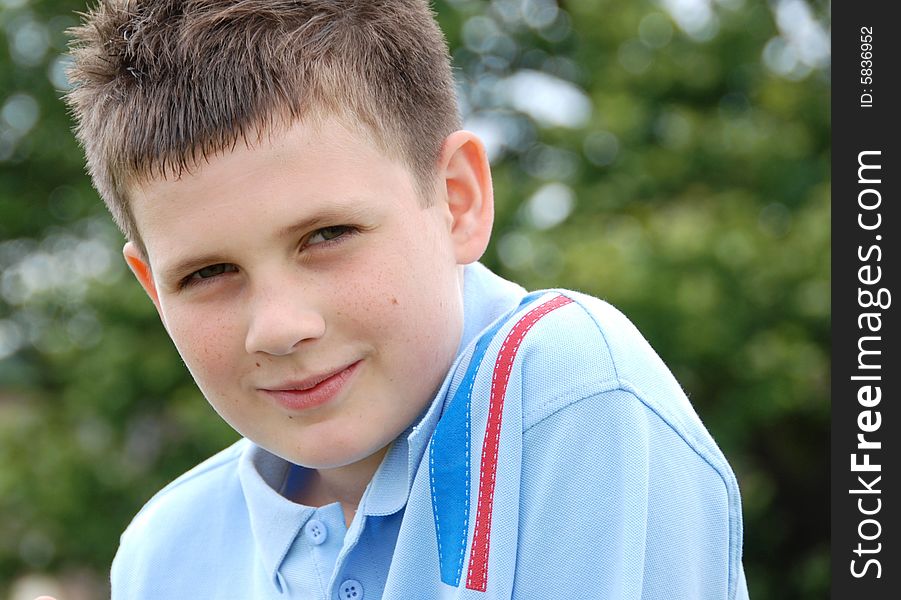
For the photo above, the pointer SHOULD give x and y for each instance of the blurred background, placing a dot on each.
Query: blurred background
(669, 156)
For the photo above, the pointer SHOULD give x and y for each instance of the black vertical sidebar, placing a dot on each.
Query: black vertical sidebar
(866, 232)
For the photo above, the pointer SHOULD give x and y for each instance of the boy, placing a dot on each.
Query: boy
(306, 215)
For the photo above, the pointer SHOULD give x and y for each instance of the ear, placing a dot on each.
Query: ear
(140, 266)
(466, 176)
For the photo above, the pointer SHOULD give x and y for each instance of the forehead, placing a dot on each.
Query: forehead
(287, 173)
(266, 132)
(321, 136)
(301, 152)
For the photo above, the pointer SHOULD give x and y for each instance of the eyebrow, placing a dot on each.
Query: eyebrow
(329, 215)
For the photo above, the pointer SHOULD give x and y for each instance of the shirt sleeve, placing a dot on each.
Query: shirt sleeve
(617, 504)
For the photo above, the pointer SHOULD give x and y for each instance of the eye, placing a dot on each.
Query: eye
(329, 234)
(209, 272)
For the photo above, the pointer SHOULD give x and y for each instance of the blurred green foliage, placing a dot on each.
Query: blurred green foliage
(669, 157)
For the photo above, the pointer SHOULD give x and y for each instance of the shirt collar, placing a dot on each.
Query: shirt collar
(274, 520)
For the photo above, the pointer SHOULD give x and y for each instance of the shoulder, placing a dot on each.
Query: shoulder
(600, 406)
(186, 513)
(586, 360)
(587, 347)
(214, 473)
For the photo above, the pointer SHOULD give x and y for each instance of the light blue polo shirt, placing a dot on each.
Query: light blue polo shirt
(560, 458)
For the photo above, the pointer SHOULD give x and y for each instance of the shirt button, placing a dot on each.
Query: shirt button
(350, 590)
(316, 531)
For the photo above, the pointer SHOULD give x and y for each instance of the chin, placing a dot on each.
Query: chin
(330, 458)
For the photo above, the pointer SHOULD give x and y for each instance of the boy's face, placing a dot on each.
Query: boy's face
(314, 300)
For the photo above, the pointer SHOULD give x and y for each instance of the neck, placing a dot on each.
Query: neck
(340, 484)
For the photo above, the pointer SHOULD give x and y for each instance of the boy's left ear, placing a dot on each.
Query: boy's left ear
(466, 176)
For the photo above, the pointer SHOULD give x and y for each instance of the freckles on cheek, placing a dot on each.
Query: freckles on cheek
(204, 347)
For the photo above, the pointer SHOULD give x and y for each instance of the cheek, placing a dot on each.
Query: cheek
(425, 323)
(206, 344)
(369, 291)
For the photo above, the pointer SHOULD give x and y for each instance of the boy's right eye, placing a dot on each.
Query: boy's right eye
(209, 272)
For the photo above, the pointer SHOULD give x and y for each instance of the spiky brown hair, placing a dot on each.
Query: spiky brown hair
(161, 85)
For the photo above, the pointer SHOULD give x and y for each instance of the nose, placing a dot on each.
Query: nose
(280, 322)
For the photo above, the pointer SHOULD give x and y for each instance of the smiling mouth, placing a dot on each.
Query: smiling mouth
(312, 392)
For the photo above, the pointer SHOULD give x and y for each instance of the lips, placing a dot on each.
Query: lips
(313, 391)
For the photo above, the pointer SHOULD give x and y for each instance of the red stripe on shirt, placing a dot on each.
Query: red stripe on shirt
(477, 577)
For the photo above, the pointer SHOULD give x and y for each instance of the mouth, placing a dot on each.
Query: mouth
(313, 391)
